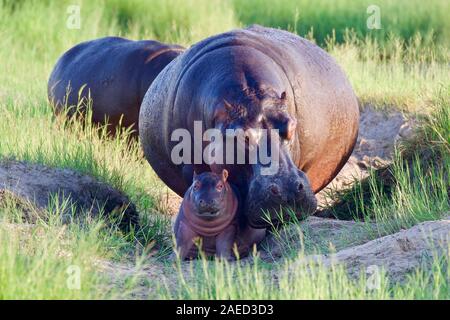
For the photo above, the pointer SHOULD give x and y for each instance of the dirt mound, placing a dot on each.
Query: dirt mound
(379, 131)
(398, 254)
(44, 187)
(315, 234)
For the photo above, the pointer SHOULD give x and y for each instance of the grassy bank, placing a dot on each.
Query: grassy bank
(221, 280)
(48, 260)
(415, 187)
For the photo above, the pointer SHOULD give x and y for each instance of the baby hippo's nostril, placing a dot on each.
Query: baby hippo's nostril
(274, 189)
(300, 186)
(214, 203)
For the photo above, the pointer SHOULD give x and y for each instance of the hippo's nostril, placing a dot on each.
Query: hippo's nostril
(300, 186)
(274, 189)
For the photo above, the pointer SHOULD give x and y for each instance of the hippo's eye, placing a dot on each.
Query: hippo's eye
(196, 186)
(219, 186)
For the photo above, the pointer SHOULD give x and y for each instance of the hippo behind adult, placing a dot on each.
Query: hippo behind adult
(256, 78)
(116, 72)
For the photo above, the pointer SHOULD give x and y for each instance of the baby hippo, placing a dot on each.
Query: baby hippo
(209, 213)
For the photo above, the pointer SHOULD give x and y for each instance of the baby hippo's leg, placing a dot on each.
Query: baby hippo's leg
(185, 240)
(225, 241)
(254, 236)
(249, 237)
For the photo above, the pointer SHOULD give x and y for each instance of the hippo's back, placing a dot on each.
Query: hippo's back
(114, 72)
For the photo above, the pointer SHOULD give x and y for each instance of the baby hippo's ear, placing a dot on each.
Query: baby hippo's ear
(228, 106)
(194, 175)
(224, 175)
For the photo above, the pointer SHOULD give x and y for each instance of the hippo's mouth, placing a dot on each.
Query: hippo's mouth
(274, 199)
(270, 215)
(208, 214)
(268, 209)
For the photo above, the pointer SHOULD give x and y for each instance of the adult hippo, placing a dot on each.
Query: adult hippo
(256, 78)
(115, 72)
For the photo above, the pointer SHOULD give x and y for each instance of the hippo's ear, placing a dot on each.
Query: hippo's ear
(228, 105)
(224, 175)
(194, 175)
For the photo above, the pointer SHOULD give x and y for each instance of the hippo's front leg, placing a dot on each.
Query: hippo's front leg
(249, 237)
(225, 241)
(185, 239)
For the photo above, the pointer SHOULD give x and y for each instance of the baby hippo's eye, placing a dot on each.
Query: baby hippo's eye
(196, 186)
(219, 186)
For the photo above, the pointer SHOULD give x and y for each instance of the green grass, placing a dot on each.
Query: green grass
(28, 271)
(405, 67)
(405, 64)
(415, 187)
(222, 280)
(43, 139)
(402, 18)
(42, 259)
(37, 260)
(410, 78)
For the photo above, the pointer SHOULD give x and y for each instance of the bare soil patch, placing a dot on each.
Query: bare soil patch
(78, 195)
(397, 254)
(379, 132)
